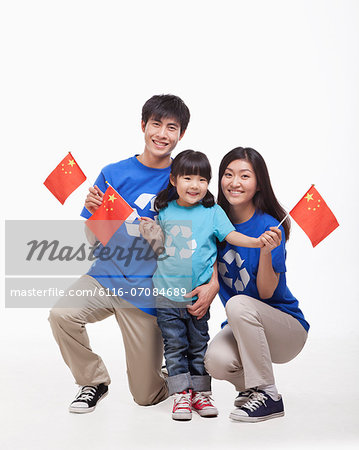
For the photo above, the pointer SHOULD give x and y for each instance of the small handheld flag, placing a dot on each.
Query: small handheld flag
(313, 215)
(65, 178)
(108, 218)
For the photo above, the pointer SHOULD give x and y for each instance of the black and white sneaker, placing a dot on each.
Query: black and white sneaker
(260, 406)
(87, 398)
(243, 397)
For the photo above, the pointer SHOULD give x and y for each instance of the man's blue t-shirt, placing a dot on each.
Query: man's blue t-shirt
(130, 271)
(238, 268)
(190, 247)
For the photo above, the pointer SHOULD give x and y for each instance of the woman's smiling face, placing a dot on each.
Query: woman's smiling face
(239, 183)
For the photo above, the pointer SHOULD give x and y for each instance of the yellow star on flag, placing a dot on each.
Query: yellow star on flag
(309, 197)
(71, 162)
(112, 198)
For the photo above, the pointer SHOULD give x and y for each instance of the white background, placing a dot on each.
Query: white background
(279, 76)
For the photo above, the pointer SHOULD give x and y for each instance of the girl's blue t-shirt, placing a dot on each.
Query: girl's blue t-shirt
(238, 268)
(191, 235)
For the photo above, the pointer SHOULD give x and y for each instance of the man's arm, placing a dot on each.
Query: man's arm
(206, 294)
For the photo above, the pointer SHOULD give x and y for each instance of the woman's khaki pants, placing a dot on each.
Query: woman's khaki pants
(256, 335)
(141, 337)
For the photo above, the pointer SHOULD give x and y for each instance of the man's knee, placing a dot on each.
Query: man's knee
(146, 395)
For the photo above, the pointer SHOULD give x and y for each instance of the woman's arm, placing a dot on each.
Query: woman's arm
(267, 279)
(241, 240)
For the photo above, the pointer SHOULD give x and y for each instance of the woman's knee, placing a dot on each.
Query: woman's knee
(218, 364)
(241, 307)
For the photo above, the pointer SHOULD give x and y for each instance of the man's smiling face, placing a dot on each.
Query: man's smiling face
(161, 136)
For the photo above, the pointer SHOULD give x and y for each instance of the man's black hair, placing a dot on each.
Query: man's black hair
(166, 106)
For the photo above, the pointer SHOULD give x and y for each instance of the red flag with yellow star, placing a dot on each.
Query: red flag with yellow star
(65, 178)
(108, 218)
(313, 215)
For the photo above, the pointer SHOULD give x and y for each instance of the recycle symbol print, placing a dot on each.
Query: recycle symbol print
(243, 278)
(188, 245)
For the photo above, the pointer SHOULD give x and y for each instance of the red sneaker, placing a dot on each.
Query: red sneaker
(182, 406)
(202, 403)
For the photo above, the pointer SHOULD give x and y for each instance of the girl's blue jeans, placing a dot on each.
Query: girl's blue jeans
(185, 343)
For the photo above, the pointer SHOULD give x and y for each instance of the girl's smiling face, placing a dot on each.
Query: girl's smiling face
(191, 189)
(239, 183)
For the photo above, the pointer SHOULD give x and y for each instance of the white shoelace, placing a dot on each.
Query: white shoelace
(86, 393)
(255, 401)
(246, 393)
(203, 399)
(182, 401)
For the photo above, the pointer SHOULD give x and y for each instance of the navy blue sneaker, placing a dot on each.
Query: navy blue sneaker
(260, 406)
(243, 397)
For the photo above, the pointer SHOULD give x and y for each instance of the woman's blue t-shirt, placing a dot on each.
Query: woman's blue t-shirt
(238, 268)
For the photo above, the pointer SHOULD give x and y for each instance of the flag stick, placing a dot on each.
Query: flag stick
(285, 218)
(294, 207)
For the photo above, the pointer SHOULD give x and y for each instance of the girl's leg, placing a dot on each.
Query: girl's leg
(174, 333)
(198, 338)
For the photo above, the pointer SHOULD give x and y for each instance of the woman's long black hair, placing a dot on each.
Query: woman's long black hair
(188, 162)
(264, 199)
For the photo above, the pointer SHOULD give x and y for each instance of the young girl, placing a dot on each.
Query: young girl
(191, 223)
(265, 323)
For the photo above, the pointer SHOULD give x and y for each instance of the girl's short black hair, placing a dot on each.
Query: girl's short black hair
(188, 162)
(166, 106)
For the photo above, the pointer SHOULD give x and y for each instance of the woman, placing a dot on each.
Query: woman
(264, 324)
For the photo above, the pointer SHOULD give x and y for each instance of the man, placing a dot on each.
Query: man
(137, 179)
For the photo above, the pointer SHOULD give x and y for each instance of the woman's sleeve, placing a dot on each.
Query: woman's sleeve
(279, 255)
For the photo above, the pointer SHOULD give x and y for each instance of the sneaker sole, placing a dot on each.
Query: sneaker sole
(182, 416)
(206, 413)
(238, 418)
(73, 409)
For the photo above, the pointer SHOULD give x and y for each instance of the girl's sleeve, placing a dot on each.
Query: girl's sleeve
(222, 226)
(279, 255)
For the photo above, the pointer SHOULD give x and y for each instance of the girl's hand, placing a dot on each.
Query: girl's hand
(270, 240)
(153, 234)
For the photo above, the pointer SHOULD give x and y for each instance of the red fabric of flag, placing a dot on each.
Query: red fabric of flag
(65, 178)
(313, 215)
(108, 218)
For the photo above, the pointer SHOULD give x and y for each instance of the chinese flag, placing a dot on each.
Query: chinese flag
(63, 180)
(313, 215)
(108, 218)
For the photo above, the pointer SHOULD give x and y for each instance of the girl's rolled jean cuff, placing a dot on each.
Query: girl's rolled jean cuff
(184, 381)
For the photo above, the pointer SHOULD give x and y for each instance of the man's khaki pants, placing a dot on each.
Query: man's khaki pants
(141, 336)
(256, 335)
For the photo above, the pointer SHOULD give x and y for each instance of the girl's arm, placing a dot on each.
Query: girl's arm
(267, 279)
(241, 240)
